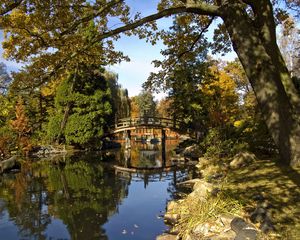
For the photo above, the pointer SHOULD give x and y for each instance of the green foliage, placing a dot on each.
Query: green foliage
(222, 142)
(146, 104)
(82, 108)
(8, 141)
(119, 96)
(53, 127)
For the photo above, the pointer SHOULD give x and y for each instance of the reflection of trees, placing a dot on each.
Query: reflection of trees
(148, 158)
(180, 175)
(25, 197)
(83, 195)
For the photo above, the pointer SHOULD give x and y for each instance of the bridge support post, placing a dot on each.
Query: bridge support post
(163, 147)
(128, 139)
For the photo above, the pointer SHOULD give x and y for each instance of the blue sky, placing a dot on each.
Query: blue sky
(131, 74)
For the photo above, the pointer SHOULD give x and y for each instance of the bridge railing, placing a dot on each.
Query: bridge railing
(146, 121)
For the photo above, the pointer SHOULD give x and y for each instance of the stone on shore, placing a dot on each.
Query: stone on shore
(166, 236)
(201, 189)
(192, 152)
(171, 217)
(242, 159)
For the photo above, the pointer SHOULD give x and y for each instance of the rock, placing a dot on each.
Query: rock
(45, 150)
(202, 189)
(190, 182)
(225, 220)
(203, 229)
(213, 231)
(8, 164)
(225, 235)
(242, 159)
(243, 230)
(166, 236)
(192, 152)
(171, 218)
(193, 236)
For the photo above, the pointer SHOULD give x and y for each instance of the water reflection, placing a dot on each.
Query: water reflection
(83, 197)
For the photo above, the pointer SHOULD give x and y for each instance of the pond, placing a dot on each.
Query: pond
(118, 194)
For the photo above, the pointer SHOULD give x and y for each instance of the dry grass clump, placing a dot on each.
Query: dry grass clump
(195, 211)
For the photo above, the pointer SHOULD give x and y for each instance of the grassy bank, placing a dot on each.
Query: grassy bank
(280, 185)
(238, 193)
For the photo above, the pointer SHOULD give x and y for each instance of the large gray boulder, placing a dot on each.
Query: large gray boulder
(242, 159)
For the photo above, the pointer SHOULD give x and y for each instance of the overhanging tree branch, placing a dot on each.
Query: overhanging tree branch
(203, 9)
(91, 16)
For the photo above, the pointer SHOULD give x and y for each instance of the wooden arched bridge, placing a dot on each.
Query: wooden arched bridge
(125, 124)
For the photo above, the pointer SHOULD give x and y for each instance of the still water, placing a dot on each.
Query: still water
(110, 195)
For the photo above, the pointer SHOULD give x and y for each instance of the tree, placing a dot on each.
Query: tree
(164, 108)
(119, 96)
(249, 25)
(220, 97)
(82, 107)
(182, 76)
(21, 126)
(21, 123)
(134, 108)
(146, 104)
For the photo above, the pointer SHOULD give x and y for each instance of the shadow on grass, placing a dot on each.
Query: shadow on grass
(278, 184)
(293, 174)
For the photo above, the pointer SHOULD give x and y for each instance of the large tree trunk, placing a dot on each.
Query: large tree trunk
(269, 77)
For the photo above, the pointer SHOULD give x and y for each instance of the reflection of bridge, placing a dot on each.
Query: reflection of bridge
(148, 122)
(146, 174)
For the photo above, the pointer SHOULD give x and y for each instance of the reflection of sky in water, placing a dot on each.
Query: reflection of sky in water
(84, 198)
(139, 214)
